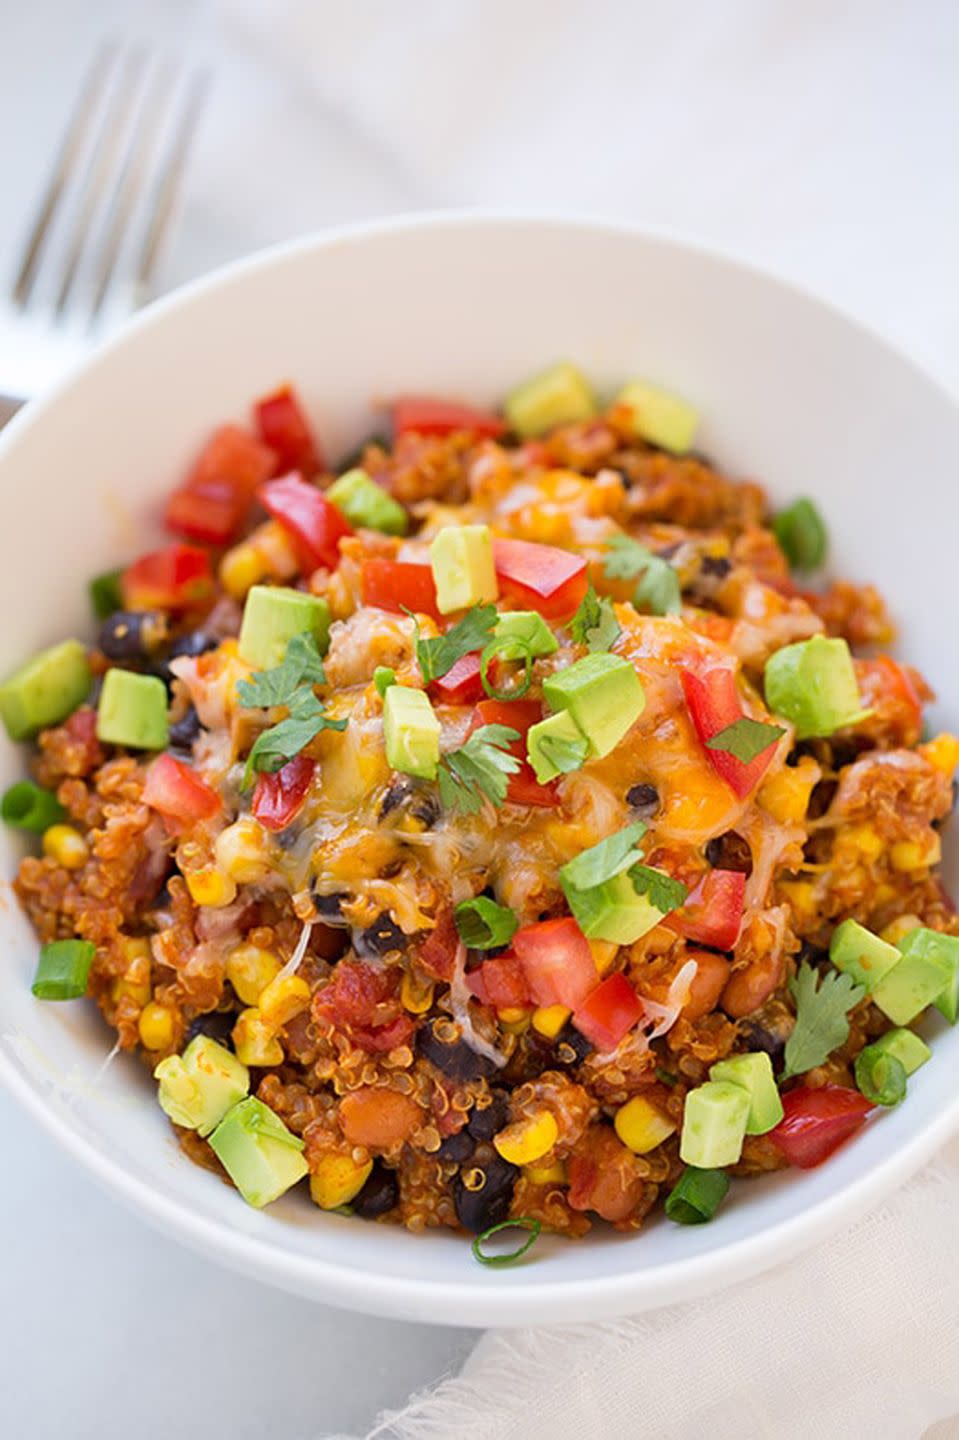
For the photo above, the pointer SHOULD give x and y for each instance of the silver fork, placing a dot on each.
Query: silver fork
(92, 249)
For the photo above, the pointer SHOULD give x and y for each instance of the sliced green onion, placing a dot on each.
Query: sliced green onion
(522, 1222)
(105, 594)
(525, 653)
(802, 535)
(383, 678)
(63, 969)
(696, 1196)
(483, 925)
(665, 1077)
(881, 1077)
(28, 807)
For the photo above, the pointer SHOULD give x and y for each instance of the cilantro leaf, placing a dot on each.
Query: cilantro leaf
(301, 665)
(566, 755)
(594, 624)
(745, 738)
(658, 590)
(603, 861)
(660, 889)
(438, 655)
(802, 535)
(821, 1023)
(479, 769)
(274, 747)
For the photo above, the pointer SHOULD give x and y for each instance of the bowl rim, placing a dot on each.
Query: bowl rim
(498, 1300)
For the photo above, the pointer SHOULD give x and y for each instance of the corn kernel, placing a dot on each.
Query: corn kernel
(137, 991)
(943, 752)
(156, 1026)
(604, 953)
(865, 839)
(554, 1174)
(549, 1020)
(134, 947)
(254, 1042)
(801, 895)
(211, 887)
(282, 999)
(337, 1180)
(906, 855)
(527, 1140)
(416, 997)
(514, 1021)
(65, 846)
(785, 795)
(240, 569)
(241, 852)
(641, 1126)
(899, 928)
(249, 970)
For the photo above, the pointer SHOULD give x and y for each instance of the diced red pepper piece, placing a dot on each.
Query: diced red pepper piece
(817, 1121)
(315, 525)
(540, 577)
(501, 983)
(461, 685)
(283, 425)
(609, 1012)
(213, 515)
(437, 953)
(713, 703)
(557, 962)
(233, 455)
(279, 797)
(441, 417)
(523, 788)
(713, 911)
(174, 578)
(393, 584)
(215, 499)
(177, 792)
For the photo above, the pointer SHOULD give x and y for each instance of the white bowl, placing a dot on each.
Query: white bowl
(790, 391)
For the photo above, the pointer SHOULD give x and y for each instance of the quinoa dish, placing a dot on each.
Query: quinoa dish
(508, 825)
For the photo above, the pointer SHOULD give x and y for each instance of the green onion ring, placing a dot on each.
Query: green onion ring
(522, 1222)
(507, 642)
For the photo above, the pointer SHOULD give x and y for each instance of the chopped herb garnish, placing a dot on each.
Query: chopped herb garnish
(802, 535)
(105, 594)
(665, 1077)
(63, 969)
(658, 590)
(522, 1222)
(821, 1023)
(745, 738)
(515, 650)
(594, 624)
(438, 655)
(291, 684)
(603, 861)
(660, 889)
(484, 925)
(696, 1196)
(479, 769)
(301, 665)
(565, 754)
(383, 677)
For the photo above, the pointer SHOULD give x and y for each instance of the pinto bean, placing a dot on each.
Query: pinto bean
(378, 1118)
(603, 1175)
(747, 989)
(712, 975)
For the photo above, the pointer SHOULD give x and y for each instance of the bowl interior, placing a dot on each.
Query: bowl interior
(790, 393)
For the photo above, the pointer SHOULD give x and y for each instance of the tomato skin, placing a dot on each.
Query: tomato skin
(713, 912)
(174, 578)
(713, 703)
(540, 577)
(523, 787)
(461, 685)
(428, 416)
(609, 1012)
(816, 1122)
(177, 792)
(315, 525)
(393, 584)
(501, 983)
(557, 962)
(437, 953)
(279, 797)
(283, 426)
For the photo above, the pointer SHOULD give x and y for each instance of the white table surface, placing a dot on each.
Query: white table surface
(817, 139)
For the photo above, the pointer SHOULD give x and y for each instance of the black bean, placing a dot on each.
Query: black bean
(418, 803)
(132, 634)
(643, 800)
(484, 1124)
(572, 1046)
(457, 1147)
(821, 798)
(330, 907)
(717, 566)
(397, 792)
(185, 731)
(757, 1037)
(454, 1058)
(216, 1025)
(193, 643)
(810, 954)
(730, 852)
(478, 1209)
(380, 1193)
(382, 936)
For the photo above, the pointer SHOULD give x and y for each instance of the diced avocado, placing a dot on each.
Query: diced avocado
(714, 1124)
(754, 1072)
(45, 690)
(603, 695)
(612, 911)
(944, 950)
(132, 710)
(461, 558)
(530, 628)
(924, 973)
(272, 615)
(366, 504)
(859, 953)
(557, 396)
(411, 731)
(659, 417)
(198, 1087)
(904, 1046)
(555, 746)
(261, 1156)
(813, 684)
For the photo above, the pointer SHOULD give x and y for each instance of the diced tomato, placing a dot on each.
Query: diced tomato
(461, 685)
(216, 497)
(816, 1122)
(500, 982)
(362, 1001)
(279, 797)
(713, 703)
(82, 729)
(523, 788)
(609, 1012)
(557, 962)
(284, 427)
(380, 1039)
(713, 911)
(889, 690)
(393, 584)
(437, 953)
(316, 525)
(214, 514)
(174, 578)
(540, 577)
(441, 417)
(178, 793)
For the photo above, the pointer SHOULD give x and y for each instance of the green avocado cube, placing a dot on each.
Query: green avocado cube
(411, 731)
(528, 628)
(261, 1156)
(272, 615)
(132, 711)
(555, 746)
(813, 685)
(604, 696)
(859, 953)
(944, 949)
(659, 417)
(612, 911)
(904, 1046)
(715, 1117)
(367, 505)
(923, 975)
(557, 396)
(45, 690)
(198, 1087)
(461, 558)
(754, 1072)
